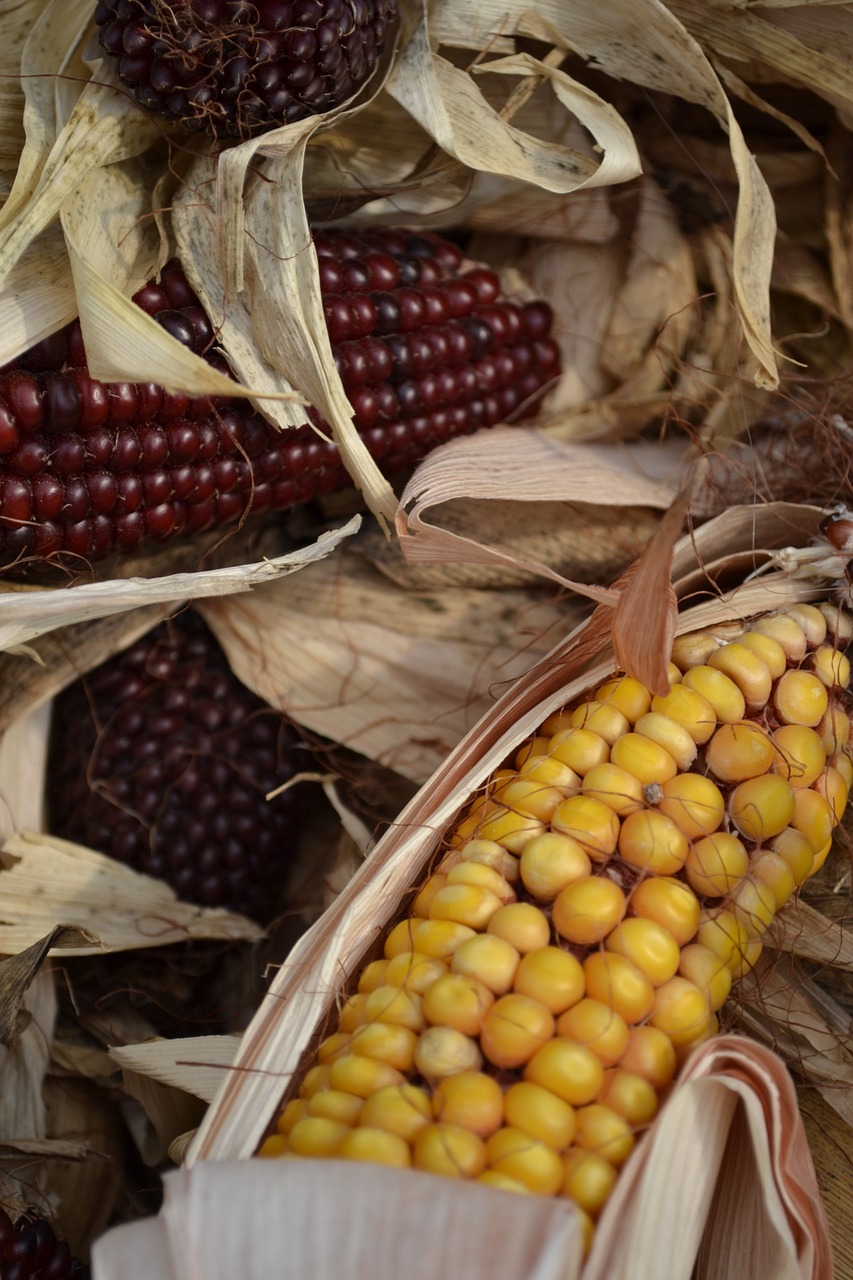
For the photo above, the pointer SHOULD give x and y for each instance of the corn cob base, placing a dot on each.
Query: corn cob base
(588, 919)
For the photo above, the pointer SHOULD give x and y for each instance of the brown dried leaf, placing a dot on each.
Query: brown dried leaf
(17, 972)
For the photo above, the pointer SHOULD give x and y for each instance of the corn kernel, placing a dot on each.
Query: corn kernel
(413, 971)
(821, 857)
(670, 735)
(680, 1010)
(489, 854)
(363, 1076)
(550, 773)
(296, 1109)
(520, 1156)
(810, 619)
(800, 755)
(442, 1051)
(650, 1054)
(510, 829)
(627, 695)
(375, 1146)
(614, 787)
(693, 649)
(400, 939)
(333, 1104)
(748, 671)
(316, 1078)
(770, 651)
(273, 1147)
(618, 983)
(393, 1004)
(652, 841)
(400, 1109)
(392, 1044)
(796, 850)
(552, 976)
(647, 945)
(580, 749)
(458, 1001)
(724, 933)
(771, 870)
(550, 862)
(833, 786)
(669, 902)
(739, 751)
(603, 1132)
(754, 905)
(708, 971)
(449, 1150)
(741, 966)
(529, 797)
(569, 1070)
(601, 718)
(800, 698)
(586, 911)
(471, 1100)
(813, 816)
(834, 729)
(716, 864)
(598, 1027)
(540, 1113)
(372, 976)
(786, 631)
(491, 960)
(521, 924)
(424, 897)
(333, 1047)
(594, 825)
(831, 667)
(476, 873)
(437, 938)
(839, 625)
(537, 746)
(843, 763)
(646, 760)
(694, 803)
(719, 691)
(689, 709)
(514, 1028)
(353, 1012)
(501, 1182)
(588, 1180)
(630, 1096)
(317, 1136)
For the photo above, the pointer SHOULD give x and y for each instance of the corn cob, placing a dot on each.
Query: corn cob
(587, 920)
(426, 350)
(162, 759)
(236, 69)
(29, 1250)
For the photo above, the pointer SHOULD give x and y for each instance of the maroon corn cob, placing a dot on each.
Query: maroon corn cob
(162, 759)
(29, 1250)
(426, 351)
(232, 68)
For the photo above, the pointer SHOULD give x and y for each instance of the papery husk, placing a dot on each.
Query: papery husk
(193, 1064)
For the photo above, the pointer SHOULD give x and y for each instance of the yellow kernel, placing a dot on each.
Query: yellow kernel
(333, 1104)
(669, 902)
(363, 1076)
(352, 1012)
(618, 983)
(477, 873)
(630, 1096)
(449, 1150)
(693, 648)
(694, 803)
(739, 751)
(333, 1047)
(540, 1113)
(670, 735)
(403, 1109)
(510, 829)
(800, 754)
(520, 1156)
(833, 786)
(580, 749)
(800, 698)
(839, 625)
(423, 899)
(813, 816)
(372, 976)
(467, 904)
(741, 966)
(680, 1011)
(550, 862)
(645, 759)
(501, 1182)
(627, 695)
(786, 631)
(317, 1136)
(770, 651)
(295, 1109)
(537, 746)
(773, 871)
(748, 671)
(392, 1044)
(762, 807)
(521, 924)
(529, 797)
(810, 619)
(689, 709)
(442, 1051)
(834, 729)
(550, 773)
(719, 691)
(650, 1054)
(594, 825)
(413, 971)
(821, 857)
(831, 667)
(491, 854)
(552, 976)
(588, 1180)
(587, 910)
(568, 1069)
(842, 762)
(652, 841)
(471, 1100)
(438, 938)
(708, 971)
(614, 787)
(514, 1028)
(315, 1079)
(459, 1001)
(598, 1027)
(603, 1132)
(725, 933)
(601, 718)
(400, 939)
(393, 1004)
(375, 1146)
(754, 905)
(491, 960)
(796, 850)
(274, 1146)
(717, 863)
(647, 945)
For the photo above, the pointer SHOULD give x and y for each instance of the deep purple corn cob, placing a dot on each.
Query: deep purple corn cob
(161, 758)
(29, 1250)
(237, 69)
(426, 351)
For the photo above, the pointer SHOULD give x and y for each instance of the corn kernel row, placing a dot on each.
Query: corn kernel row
(588, 918)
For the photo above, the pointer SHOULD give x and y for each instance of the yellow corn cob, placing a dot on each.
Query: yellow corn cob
(587, 920)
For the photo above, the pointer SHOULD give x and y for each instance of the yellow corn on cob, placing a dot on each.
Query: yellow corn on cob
(587, 920)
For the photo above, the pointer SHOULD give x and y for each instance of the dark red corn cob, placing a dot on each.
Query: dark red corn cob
(162, 759)
(29, 1250)
(426, 350)
(236, 69)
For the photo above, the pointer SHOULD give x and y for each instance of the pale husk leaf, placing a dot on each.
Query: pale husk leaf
(25, 615)
(19, 18)
(38, 297)
(118, 908)
(193, 1064)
